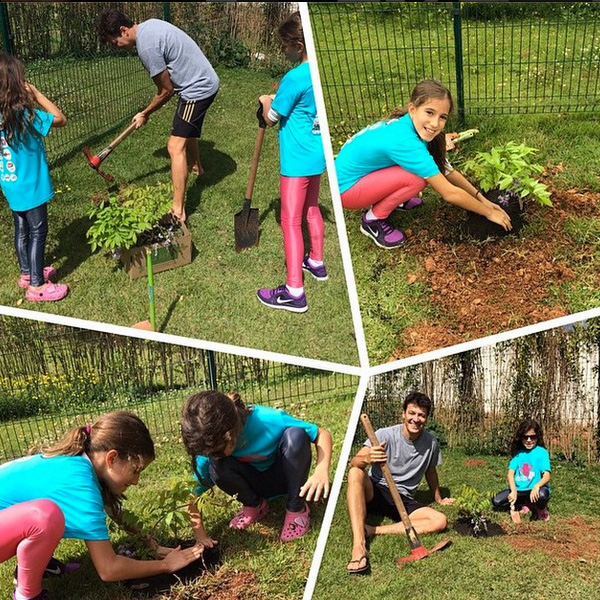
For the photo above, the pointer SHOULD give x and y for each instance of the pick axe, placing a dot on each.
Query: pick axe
(96, 160)
(417, 550)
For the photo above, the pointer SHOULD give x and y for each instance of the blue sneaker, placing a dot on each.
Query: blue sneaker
(281, 298)
(319, 273)
(382, 233)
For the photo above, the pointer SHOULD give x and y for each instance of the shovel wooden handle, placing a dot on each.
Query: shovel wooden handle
(410, 531)
(254, 165)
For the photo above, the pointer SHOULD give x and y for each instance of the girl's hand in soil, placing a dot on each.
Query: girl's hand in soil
(162, 551)
(177, 558)
(498, 216)
(205, 542)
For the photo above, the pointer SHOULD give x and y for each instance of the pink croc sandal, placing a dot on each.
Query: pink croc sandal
(249, 515)
(49, 292)
(24, 280)
(295, 524)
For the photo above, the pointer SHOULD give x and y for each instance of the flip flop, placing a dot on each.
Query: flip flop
(359, 570)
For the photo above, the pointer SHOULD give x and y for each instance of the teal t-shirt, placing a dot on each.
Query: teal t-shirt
(24, 173)
(529, 467)
(300, 144)
(258, 442)
(381, 145)
(69, 481)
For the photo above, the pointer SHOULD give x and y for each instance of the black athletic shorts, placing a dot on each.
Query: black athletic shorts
(380, 505)
(189, 116)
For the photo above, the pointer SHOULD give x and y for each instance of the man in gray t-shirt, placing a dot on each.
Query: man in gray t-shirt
(411, 453)
(177, 66)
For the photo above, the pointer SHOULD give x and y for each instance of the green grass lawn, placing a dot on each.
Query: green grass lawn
(213, 298)
(526, 562)
(270, 568)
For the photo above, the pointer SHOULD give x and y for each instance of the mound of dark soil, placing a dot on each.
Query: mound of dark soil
(479, 228)
(209, 562)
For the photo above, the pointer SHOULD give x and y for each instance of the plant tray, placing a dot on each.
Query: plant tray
(176, 254)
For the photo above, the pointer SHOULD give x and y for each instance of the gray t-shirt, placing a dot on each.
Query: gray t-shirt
(407, 460)
(161, 46)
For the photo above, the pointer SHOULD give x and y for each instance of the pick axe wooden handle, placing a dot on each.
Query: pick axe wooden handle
(413, 538)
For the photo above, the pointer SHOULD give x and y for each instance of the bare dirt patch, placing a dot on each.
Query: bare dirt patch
(475, 462)
(223, 585)
(483, 288)
(576, 539)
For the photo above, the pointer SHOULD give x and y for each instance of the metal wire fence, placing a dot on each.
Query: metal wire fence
(98, 87)
(480, 396)
(54, 377)
(497, 58)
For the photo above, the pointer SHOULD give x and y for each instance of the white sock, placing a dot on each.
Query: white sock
(19, 596)
(315, 263)
(296, 292)
(369, 216)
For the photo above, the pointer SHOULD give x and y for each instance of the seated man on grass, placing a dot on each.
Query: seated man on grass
(411, 453)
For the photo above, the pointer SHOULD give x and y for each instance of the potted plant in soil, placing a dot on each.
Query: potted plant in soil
(474, 510)
(129, 221)
(507, 177)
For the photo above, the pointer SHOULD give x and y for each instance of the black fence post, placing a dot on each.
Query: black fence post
(7, 38)
(212, 369)
(167, 11)
(458, 56)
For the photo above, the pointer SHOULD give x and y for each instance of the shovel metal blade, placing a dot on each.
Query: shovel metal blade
(246, 227)
(422, 552)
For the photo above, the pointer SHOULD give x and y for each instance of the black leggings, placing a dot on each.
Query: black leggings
(31, 229)
(500, 500)
(286, 476)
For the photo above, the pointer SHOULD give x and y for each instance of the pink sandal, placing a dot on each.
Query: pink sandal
(295, 524)
(249, 515)
(49, 292)
(24, 280)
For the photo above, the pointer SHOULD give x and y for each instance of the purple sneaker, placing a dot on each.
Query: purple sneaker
(411, 203)
(382, 233)
(319, 273)
(281, 298)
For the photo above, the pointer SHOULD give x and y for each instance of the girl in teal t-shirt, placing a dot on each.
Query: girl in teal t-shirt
(528, 491)
(302, 161)
(383, 167)
(254, 453)
(25, 177)
(64, 492)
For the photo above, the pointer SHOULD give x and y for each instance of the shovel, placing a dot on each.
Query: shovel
(417, 550)
(246, 221)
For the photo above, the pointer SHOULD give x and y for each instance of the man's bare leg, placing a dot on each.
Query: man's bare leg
(176, 147)
(358, 493)
(193, 157)
(424, 520)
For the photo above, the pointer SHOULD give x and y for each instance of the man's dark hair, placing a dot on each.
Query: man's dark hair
(421, 400)
(109, 23)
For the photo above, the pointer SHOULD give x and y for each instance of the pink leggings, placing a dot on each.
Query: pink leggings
(384, 189)
(31, 531)
(300, 198)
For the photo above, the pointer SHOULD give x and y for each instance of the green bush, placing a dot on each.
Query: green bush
(509, 168)
(120, 218)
